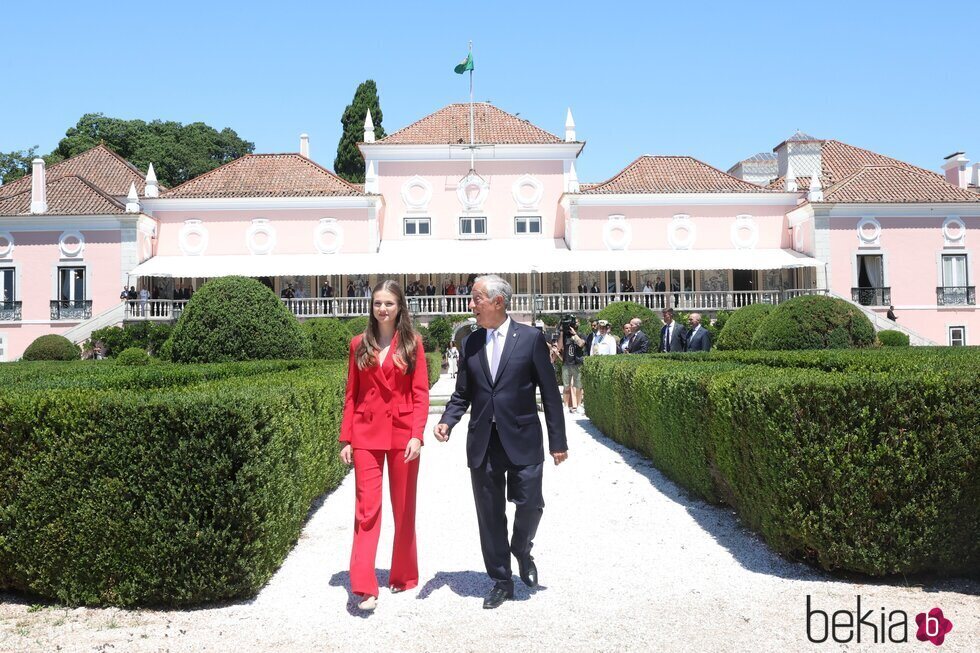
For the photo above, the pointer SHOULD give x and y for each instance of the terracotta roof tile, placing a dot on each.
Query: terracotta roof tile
(100, 166)
(840, 162)
(882, 184)
(451, 125)
(672, 174)
(266, 175)
(67, 195)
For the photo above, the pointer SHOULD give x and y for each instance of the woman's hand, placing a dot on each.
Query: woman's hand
(347, 454)
(413, 449)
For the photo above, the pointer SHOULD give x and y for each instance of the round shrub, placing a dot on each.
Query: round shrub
(329, 338)
(740, 326)
(133, 356)
(356, 325)
(814, 322)
(236, 319)
(619, 313)
(52, 347)
(892, 338)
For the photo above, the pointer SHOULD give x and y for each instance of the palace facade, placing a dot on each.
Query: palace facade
(811, 216)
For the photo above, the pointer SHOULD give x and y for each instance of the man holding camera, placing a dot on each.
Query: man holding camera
(572, 348)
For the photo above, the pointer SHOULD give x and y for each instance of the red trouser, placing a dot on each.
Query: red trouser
(402, 478)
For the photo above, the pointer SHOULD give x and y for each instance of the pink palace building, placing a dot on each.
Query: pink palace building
(812, 216)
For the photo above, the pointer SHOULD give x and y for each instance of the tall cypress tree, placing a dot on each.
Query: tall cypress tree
(349, 164)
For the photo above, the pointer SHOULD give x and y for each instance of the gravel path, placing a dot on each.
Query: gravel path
(627, 563)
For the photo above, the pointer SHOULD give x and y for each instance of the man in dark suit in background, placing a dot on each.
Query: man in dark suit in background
(500, 366)
(672, 336)
(698, 339)
(639, 341)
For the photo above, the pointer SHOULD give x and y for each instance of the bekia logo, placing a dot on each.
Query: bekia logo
(878, 627)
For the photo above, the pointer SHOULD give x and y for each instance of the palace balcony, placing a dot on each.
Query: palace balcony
(956, 296)
(871, 296)
(73, 310)
(10, 311)
(165, 310)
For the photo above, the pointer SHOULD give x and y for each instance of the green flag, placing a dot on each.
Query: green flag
(465, 64)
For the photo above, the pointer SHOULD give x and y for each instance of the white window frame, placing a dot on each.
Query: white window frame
(528, 221)
(417, 222)
(13, 270)
(942, 269)
(475, 235)
(949, 335)
(85, 283)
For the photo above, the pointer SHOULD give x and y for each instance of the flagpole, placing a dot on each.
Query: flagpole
(472, 143)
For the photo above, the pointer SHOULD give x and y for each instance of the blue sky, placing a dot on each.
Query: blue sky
(718, 81)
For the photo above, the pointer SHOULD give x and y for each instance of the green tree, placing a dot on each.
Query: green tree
(349, 164)
(178, 152)
(14, 165)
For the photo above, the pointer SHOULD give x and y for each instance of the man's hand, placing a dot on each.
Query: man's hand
(441, 431)
(559, 456)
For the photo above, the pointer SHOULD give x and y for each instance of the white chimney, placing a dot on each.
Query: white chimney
(304, 145)
(132, 200)
(957, 169)
(39, 187)
(569, 127)
(368, 128)
(152, 189)
(975, 177)
(816, 190)
(371, 184)
(573, 185)
(789, 183)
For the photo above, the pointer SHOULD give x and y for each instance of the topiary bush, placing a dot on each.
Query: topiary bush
(133, 356)
(619, 313)
(356, 325)
(892, 338)
(236, 319)
(329, 338)
(52, 347)
(740, 326)
(814, 322)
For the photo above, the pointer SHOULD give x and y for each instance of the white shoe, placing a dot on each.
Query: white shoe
(368, 604)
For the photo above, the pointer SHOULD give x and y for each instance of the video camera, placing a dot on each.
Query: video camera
(566, 324)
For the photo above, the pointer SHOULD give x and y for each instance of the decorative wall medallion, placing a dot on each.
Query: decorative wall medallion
(617, 232)
(6, 244)
(744, 232)
(260, 237)
(193, 238)
(71, 244)
(527, 193)
(416, 193)
(472, 192)
(681, 232)
(869, 232)
(328, 237)
(954, 232)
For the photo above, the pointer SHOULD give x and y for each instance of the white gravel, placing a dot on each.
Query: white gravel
(628, 562)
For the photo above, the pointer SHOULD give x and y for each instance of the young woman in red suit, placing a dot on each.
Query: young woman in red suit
(385, 410)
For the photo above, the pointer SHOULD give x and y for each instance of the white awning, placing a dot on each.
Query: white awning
(471, 256)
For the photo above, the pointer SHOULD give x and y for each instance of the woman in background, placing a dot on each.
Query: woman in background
(385, 409)
(452, 360)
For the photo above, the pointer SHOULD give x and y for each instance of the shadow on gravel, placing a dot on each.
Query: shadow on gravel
(471, 584)
(747, 547)
(342, 579)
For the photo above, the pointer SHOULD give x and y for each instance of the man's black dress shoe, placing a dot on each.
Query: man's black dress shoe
(497, 596)
(529, 571)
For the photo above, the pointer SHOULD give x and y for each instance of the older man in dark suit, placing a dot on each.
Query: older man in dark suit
(698, 339)
(501, 366)
(673, 339)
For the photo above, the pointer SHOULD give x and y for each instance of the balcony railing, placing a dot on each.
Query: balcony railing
(166, 310)
(871, 296)
(10, 311)
(63, 309)
(956, 296)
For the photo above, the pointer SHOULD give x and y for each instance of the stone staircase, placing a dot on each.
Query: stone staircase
(881, 323)
(112, 317)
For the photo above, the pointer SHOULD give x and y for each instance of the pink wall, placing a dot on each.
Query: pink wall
(294, 229)
(444, 208)
(713, 224)
(37, 256)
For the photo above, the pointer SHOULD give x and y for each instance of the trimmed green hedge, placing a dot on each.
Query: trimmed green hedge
(52, 347)
(843, 459)
(193, 491)
(814, 322)
(329, 338)
(236, 319)
(433, 365)
(893, 338)
(740, 326)
(133, 356)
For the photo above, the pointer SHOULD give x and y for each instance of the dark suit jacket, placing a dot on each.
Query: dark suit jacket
(510, 400)
(678, 340)
(699, 341)
(639, 343)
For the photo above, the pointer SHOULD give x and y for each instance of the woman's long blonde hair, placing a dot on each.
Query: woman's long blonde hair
(367, 351)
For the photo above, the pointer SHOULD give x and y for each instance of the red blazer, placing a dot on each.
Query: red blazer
(384, 408)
